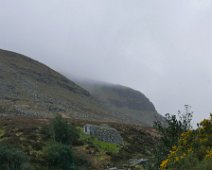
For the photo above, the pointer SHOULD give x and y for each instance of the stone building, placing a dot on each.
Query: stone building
(104, 133)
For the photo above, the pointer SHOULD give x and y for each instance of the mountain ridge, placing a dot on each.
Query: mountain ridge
(24, 79)
(122, 101)
(30, 88)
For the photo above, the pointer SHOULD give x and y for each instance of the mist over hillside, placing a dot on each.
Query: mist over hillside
(29, 88)
(122, 101)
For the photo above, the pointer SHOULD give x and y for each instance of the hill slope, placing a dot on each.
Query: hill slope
(127, 104)
(30, 88)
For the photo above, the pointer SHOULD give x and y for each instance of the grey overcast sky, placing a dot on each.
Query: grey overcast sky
(161, 47)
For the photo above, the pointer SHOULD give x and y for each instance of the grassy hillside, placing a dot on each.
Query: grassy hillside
(29, 135)
(129, 105)
(30, 88)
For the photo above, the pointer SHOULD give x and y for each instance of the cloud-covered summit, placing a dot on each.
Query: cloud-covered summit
(162, 48)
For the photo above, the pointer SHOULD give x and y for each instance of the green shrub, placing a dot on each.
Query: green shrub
(62, 132)
(12, 158)
(193, 150)
(203, 165)
(58, 156)
(169, 135)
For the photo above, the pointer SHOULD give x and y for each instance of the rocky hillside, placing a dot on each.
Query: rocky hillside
(30, 88)
(128, 104)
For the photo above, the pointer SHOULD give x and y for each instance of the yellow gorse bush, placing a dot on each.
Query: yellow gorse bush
(208, 154)
(197, 143)
(164, 164)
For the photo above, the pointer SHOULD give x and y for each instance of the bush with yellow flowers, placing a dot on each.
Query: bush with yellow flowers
(169, 132)
(193, 150)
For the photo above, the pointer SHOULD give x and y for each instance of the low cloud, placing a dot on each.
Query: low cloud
(162, 48)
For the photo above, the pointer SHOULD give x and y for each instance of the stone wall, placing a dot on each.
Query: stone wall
(104, 133)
